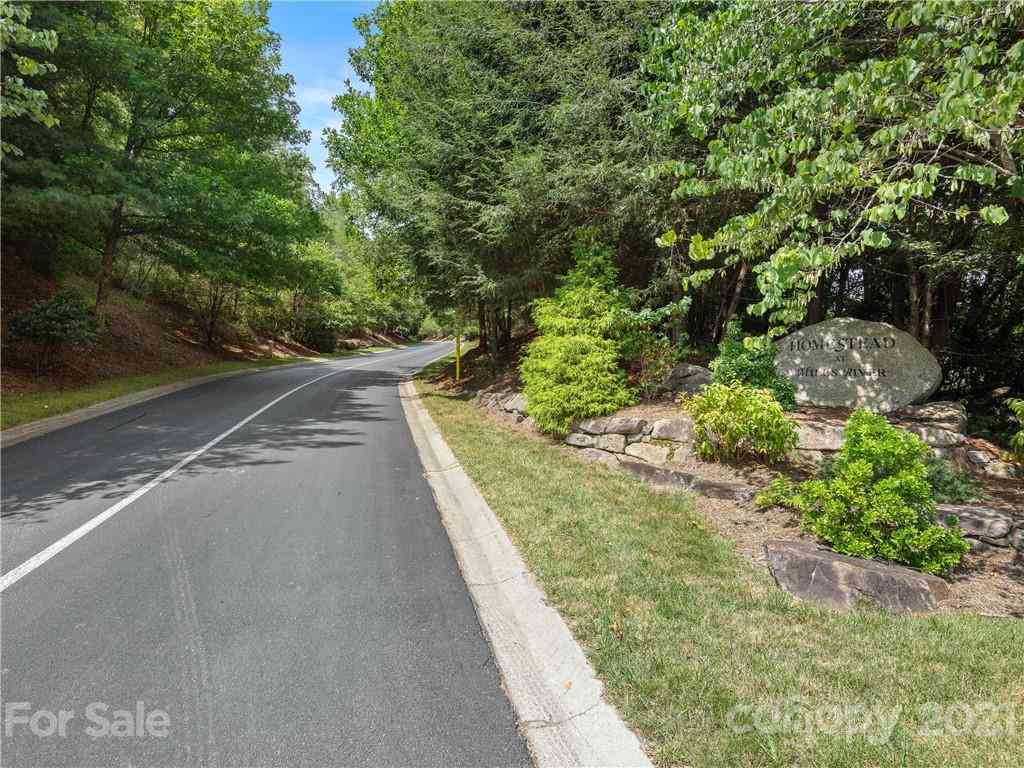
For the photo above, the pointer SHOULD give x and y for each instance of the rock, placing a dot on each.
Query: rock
(652, 454)
(814, 436)
(679, 430)
(593, 426)
(515, 404)
(613, 425)
(946, 413)
(670, 478)
(810, 457)
(937, 437)
(529, 423)
(612, 443)
(1017, 538)
(686, 378)
(624, 425)
(814, 573)
(981, 458)
(978, 522)
(845, 362)
(1004, 470)
(579, 440)
(602, 457)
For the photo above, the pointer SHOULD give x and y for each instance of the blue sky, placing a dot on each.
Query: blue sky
(315, 38)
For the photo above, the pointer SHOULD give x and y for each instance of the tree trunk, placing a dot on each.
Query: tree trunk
(214, 305)
(949, 295)
(728, 310)
(929, 301)
(914, 308)
(818, 306)
(840, 295)
(110, 244)
(481, 320)
(898, 305)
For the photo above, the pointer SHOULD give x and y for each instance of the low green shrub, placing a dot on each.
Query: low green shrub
(877, 503)
(63, 320)
(731, 420)
(1017, 439)
(315, 327)
(753, 366)
(569, 378)
(950, 484)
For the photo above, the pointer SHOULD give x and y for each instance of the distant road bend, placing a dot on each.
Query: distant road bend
(253, 573)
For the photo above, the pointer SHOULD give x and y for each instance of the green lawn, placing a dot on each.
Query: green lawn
(21, 408)
(695, 644)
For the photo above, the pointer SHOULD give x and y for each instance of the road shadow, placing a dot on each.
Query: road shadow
(341, 411)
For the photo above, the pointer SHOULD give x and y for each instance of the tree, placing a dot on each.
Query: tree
(17, 39)
(180, 129)
(846, 133)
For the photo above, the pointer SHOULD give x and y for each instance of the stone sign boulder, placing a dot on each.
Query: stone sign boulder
(850, 363)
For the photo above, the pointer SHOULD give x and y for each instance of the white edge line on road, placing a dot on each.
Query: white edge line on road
(16, 574)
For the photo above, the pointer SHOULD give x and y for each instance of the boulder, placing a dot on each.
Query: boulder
(944, 413)
(611, 443)
(686, 378)
(613, 425)
(1017, 539)
(846, 362)
(602, 457)
(978, 522)
(936, 437)
(815, 436)
(679, 430)
(670, 478)
(579, 440)
(515, 404)
(1004, 470)
(816, 574)
(649, 452)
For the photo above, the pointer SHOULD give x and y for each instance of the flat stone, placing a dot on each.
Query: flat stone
(981, 458)
(670, 478)
(1004, 470)
(579, 440)
(515, 404)
(679, 430)
(936, 437)
(976, 521)
(948, 413)
(686, 378)
(601, 457)
(624, 425)
(653, 454)
(612, 443)
(846, 362)
(593, 426)
(813, 436)
(816, 574)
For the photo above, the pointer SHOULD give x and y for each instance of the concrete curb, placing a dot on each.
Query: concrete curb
(23, 432)
(556, 695)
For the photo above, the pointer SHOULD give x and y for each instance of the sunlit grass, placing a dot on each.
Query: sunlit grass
(683, 630)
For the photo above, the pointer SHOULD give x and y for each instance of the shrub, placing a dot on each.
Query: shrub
(1017, 440)
(731, 420)
(950, 484)
(568, 378)
(753, 366)
(316, 327)
(877, 501)
(571, 371)
(64, 320)
(653, 360)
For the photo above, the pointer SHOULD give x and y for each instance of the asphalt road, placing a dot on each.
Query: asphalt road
(288, 598)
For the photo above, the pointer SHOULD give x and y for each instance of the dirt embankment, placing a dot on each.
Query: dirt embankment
(139, 336)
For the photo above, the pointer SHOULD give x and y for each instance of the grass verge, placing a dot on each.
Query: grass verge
(705, 657)
(21, 408)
